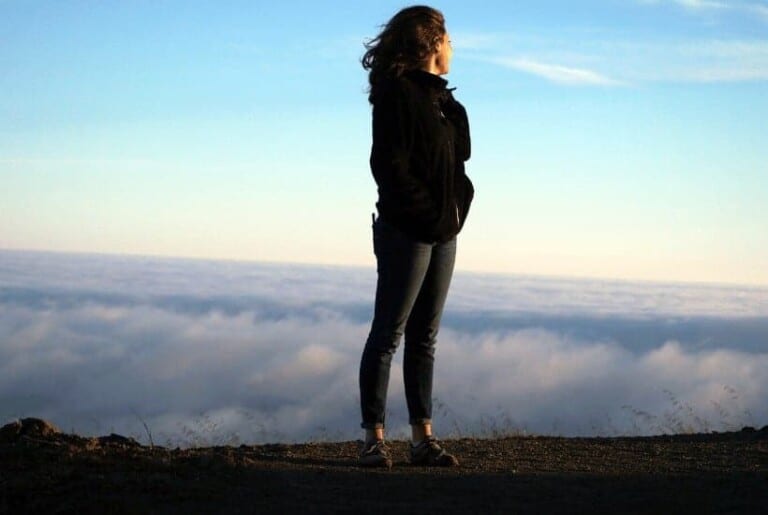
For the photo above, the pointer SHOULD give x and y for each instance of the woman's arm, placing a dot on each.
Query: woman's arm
(393, 142)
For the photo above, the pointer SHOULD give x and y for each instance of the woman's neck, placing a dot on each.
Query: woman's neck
(430, 65)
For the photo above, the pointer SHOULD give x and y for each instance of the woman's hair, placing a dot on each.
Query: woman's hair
(409, 38)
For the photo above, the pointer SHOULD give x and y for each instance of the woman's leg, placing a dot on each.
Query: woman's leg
(402, 265)
(420, 337)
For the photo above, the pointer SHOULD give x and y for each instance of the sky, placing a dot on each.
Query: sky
(208, 352)
(617, 139)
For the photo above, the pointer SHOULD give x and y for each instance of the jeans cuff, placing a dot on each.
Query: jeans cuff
(372, 425)
(420, 421)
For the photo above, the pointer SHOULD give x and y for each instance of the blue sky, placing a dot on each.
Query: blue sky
(617, 139)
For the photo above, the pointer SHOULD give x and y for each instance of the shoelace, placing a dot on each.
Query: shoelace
(430, 444)
(379, 445)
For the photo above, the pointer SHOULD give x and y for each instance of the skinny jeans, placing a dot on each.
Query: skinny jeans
(412, 285)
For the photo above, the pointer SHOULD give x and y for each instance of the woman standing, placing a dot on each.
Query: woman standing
(420, 143)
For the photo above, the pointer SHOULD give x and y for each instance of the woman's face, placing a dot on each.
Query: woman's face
(444, 55)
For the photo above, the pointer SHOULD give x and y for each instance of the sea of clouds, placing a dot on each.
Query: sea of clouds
(199, 352)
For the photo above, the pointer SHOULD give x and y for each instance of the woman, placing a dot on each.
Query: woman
(420, 143)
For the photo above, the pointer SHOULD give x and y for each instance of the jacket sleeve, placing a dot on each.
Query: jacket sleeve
(393, 142)
(457, 115)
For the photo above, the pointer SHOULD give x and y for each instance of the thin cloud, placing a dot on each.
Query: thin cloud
(557, 73)
(702, 61)
(689, 4)
(723, 75)
(702, 4)
(711, 61)
(573, 56)
(761, 10)
(467, 41)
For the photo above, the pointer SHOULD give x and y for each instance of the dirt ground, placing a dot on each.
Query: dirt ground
(45, 471)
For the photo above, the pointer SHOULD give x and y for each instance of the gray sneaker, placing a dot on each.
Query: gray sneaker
(375, 454)
(430, 454)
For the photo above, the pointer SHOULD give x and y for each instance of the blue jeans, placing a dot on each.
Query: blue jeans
(413, 281)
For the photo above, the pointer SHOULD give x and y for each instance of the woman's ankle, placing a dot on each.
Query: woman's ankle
(420, 432)
(374, 435)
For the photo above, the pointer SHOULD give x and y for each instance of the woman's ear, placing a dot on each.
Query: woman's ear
(439, 45)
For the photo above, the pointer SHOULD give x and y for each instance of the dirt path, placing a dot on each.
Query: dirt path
(713, 473)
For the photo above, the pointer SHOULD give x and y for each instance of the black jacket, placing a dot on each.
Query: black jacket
(420, 143)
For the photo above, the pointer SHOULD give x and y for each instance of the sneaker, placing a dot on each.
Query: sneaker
(375, 454)
(429, 453)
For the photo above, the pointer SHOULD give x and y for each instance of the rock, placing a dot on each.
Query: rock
(116, 439)
(38, 427)
(30, 426)
(10, 432)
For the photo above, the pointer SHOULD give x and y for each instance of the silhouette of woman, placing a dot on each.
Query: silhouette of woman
(420, 143)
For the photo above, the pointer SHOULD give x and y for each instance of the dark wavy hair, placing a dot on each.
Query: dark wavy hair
(409, 38)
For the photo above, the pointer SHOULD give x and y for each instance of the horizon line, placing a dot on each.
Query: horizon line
(463, 271)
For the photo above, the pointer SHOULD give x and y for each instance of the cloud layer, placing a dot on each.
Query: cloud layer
(217, 352)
